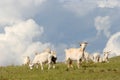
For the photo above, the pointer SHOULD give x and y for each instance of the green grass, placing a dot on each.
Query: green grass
(87, 71)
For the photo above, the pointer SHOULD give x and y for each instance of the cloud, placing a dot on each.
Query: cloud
(108, 3)
(84, 7)
(103, 24)
(79, 7)
(21, 35)
(113, 44)
(18, 41)
(13, 11)
(19, 30)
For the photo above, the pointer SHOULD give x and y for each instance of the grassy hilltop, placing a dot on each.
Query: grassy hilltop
(88, 71)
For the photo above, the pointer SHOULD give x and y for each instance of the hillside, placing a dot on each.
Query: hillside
(88, 71)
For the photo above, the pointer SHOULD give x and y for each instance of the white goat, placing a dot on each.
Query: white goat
(87, 57)
(47, 56)
(75, 54)
(27, 60)
(96, 57)
(105, 57)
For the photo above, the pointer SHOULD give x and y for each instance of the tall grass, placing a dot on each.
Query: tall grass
(87, 71)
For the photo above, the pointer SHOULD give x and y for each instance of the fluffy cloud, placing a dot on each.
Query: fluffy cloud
(102, 24)
(19, 32)
(113, 44)
(17, 41)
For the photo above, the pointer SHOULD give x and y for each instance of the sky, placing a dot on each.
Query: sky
(30, 26)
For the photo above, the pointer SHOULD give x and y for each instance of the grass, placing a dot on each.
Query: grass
(87, 71)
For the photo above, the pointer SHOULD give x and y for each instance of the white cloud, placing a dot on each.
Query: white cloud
(108, 3)
(14, 10)
(84, 7)
(17, 41)
(113, 44)
(103, 24)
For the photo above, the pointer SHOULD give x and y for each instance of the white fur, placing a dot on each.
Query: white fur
(75, 54)
(44, 57)
(87, 56)
(26, 60)
(96, 57)
(105, 57)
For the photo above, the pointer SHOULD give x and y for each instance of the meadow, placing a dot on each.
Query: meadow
(87, 71)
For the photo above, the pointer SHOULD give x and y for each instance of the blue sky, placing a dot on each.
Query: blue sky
(31, 26)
